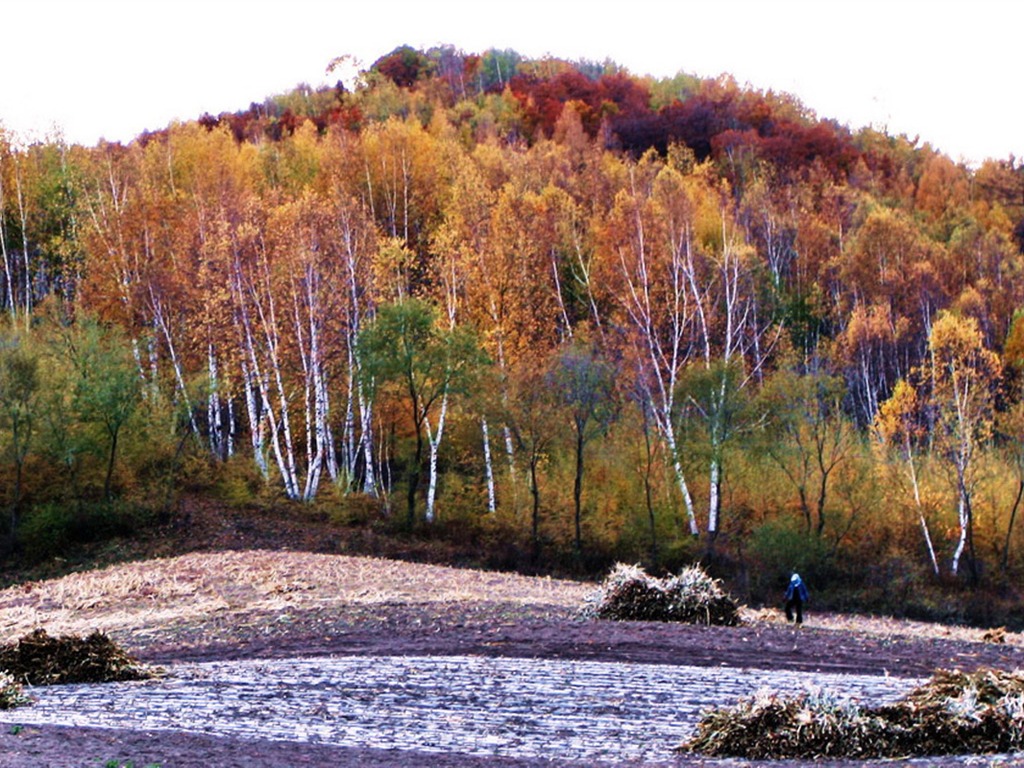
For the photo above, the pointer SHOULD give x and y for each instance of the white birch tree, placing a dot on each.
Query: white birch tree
(408, 350)
(648, 248)
(963, 377)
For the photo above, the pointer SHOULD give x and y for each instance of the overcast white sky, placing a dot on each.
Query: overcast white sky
(949, 71)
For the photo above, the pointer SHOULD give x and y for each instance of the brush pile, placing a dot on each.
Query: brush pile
(11, 695)
(954, 713)
(692, 597)
(39, 659)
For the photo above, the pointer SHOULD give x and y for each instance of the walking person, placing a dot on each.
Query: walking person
(796, 596)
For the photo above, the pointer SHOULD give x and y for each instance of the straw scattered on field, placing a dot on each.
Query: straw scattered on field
(146, 596)
(137, 596)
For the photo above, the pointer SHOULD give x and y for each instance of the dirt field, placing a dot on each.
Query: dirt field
(273, 605)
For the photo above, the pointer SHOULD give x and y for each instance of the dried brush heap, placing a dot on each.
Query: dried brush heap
(39, 659)
(953, 713)
(692, 597)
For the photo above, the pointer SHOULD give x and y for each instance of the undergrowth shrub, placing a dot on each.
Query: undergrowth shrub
(354, 509)
(238, 482)
(52, 529)
(779, 548)
(193, 470)
(45, 531)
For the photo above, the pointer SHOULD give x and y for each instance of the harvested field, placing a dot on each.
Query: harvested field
(194, 613)
(148, 597)
(580, 711)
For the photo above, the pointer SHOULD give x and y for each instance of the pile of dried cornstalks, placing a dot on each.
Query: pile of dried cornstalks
(954, 713)
(693, 597)
(39, 659)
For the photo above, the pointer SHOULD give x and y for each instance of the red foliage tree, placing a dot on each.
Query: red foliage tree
(404, 66)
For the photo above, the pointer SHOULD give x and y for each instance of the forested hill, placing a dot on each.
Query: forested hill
(573, 314)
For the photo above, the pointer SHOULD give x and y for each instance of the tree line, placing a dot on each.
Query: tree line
(611, 315)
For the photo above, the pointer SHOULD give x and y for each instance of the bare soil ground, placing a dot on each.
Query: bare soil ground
(251, 604)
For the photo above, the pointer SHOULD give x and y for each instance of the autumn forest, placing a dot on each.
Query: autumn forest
(557, 312)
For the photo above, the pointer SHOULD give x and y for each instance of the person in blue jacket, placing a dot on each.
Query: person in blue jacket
(796, 596)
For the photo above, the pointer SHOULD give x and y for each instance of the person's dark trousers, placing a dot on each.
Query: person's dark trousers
(795, 605)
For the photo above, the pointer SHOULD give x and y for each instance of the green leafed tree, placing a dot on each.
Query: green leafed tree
(529, 408)
(716, 410)
(808, 437)
(105, 385)
(584, 382)
(406, 350)
(963, 375)
(19, 400)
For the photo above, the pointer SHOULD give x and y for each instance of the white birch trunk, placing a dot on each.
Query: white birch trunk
(434, 440)
(583, 278)
(492, 506)
(285, 455)
(714, 499)
(357, 401)
(715, 470)
(158, 317)
(510, 453)
(327, 436)
(213, 416)
(279, 425)
(962, 540)
(348, 427)
(920, 509)
(257, 422)
(312, 451)
(154, 366)
(962, 459)
(231, 428)
(684, 489)
(217, 438)
(250, 382)
(322, 438)
(23, 219)
(8, 276)
(385, 472)
(661, 362)
(366, 438)
(558, 295)
(314, 455)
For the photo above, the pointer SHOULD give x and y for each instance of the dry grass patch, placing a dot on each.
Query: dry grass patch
(147, 598)
(139, 597)
(887, 627)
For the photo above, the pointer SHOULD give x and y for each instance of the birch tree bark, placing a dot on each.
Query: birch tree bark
(656, 300)
(260, 335)
(356, 243)
(964, 374)
(405, 349)
(729, 340)
(9, 299)
(896, 425)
